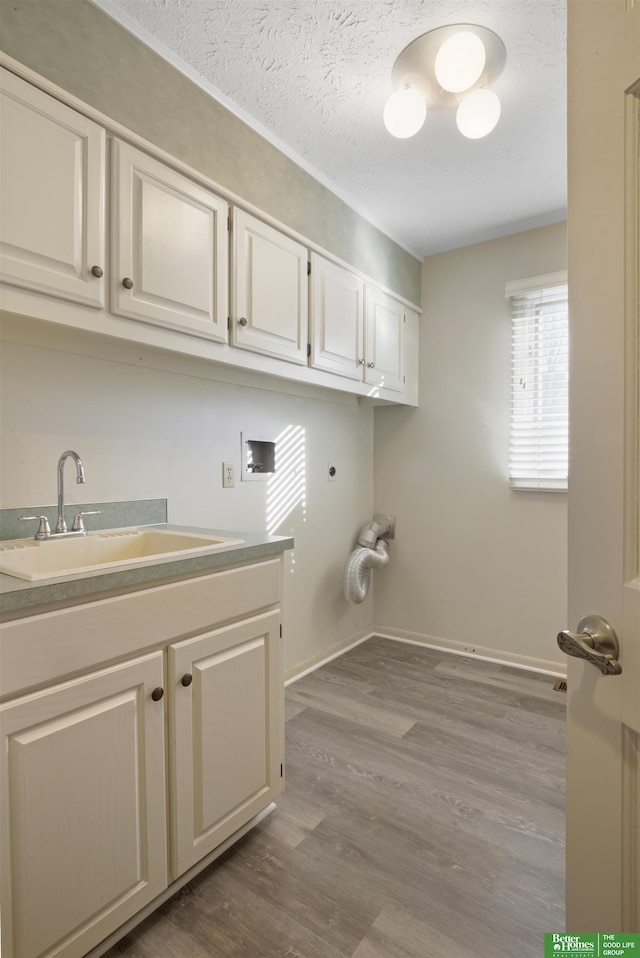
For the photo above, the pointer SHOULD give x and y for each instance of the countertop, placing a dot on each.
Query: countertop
(18, 595)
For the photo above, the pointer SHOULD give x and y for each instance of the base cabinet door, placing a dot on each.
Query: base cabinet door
(83, 809)
(384, 340)
(269, 284)
(170, 247)
(52, 196)
(226, 733)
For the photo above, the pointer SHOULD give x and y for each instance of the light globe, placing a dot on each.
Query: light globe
(478, 113)
(404, 113)
(460, 61)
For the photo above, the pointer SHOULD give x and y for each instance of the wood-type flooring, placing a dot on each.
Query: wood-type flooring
(423, 818)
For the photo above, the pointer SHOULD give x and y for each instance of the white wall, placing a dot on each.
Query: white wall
(148, 432)
(474, 565)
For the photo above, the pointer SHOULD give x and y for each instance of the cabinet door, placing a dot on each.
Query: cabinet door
(337, 319)
(83, 809)
(384, 340)
(226, 727)
(51, 196)
(270, 299)
(170, 247)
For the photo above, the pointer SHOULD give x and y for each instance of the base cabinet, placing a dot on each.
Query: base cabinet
(226, 725)
(116, 781)
(84, 813)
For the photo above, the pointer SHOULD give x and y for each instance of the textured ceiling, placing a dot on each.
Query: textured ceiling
(316, 75)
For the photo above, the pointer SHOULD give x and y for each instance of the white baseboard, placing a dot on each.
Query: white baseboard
(500, 657)
(316, 661)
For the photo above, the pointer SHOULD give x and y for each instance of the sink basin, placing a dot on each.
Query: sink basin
(100, 551)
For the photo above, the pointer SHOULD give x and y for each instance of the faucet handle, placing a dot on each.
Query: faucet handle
(78, 524)
(44, 529)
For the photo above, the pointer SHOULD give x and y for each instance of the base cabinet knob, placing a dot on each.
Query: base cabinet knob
(186, 679)
(157, 694)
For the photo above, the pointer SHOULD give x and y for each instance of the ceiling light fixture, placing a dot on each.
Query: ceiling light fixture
(447, 67)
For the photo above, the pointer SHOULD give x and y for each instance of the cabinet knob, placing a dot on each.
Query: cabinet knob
(157, 694)
(186, 679)
(370, 365)
(127, 283)
(97, 272)
(361, 362)
(243, 321)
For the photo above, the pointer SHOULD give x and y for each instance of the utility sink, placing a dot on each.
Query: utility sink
(102, 551)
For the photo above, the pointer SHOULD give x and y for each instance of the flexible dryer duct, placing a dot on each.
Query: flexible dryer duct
(372, 553)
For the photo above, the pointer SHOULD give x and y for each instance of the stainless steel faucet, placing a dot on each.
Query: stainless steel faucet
(61, 525)
(44, 530)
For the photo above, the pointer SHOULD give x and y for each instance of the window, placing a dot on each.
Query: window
(539, 451)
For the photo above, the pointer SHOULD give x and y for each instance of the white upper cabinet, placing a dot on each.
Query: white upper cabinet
(170, 247)
(269, 283)
(166, 271)
(357, 330)
(337, 319)
(384, 340)
(52, 196)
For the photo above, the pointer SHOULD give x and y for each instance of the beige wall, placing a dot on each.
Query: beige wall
(163, 428)
(474, 563)
(77, 46)
(147, 432)
(149, 428)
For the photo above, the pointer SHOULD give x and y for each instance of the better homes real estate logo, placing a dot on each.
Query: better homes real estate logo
(592, 946)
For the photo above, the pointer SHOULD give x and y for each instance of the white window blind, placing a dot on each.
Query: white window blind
(539, 450)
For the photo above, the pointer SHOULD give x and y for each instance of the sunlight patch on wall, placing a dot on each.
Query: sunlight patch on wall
(286, 490)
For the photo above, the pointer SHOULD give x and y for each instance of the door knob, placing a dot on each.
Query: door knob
(596, 642)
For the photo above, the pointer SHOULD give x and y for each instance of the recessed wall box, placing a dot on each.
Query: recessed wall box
(258, 457)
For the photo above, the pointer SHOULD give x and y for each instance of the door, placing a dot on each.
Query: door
(52, 196)
(170, 247)
(269, 281)
(384, 340)
(337, 319)
(225, 745)
(603, 765)
(83, 782)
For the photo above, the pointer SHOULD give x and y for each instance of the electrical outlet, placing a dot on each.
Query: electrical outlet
(228, 475)
(331, 472)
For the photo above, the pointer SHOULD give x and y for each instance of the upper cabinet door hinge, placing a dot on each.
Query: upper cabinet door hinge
(229, 222)
(281, 631)
(309, 268)
(308, 350)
